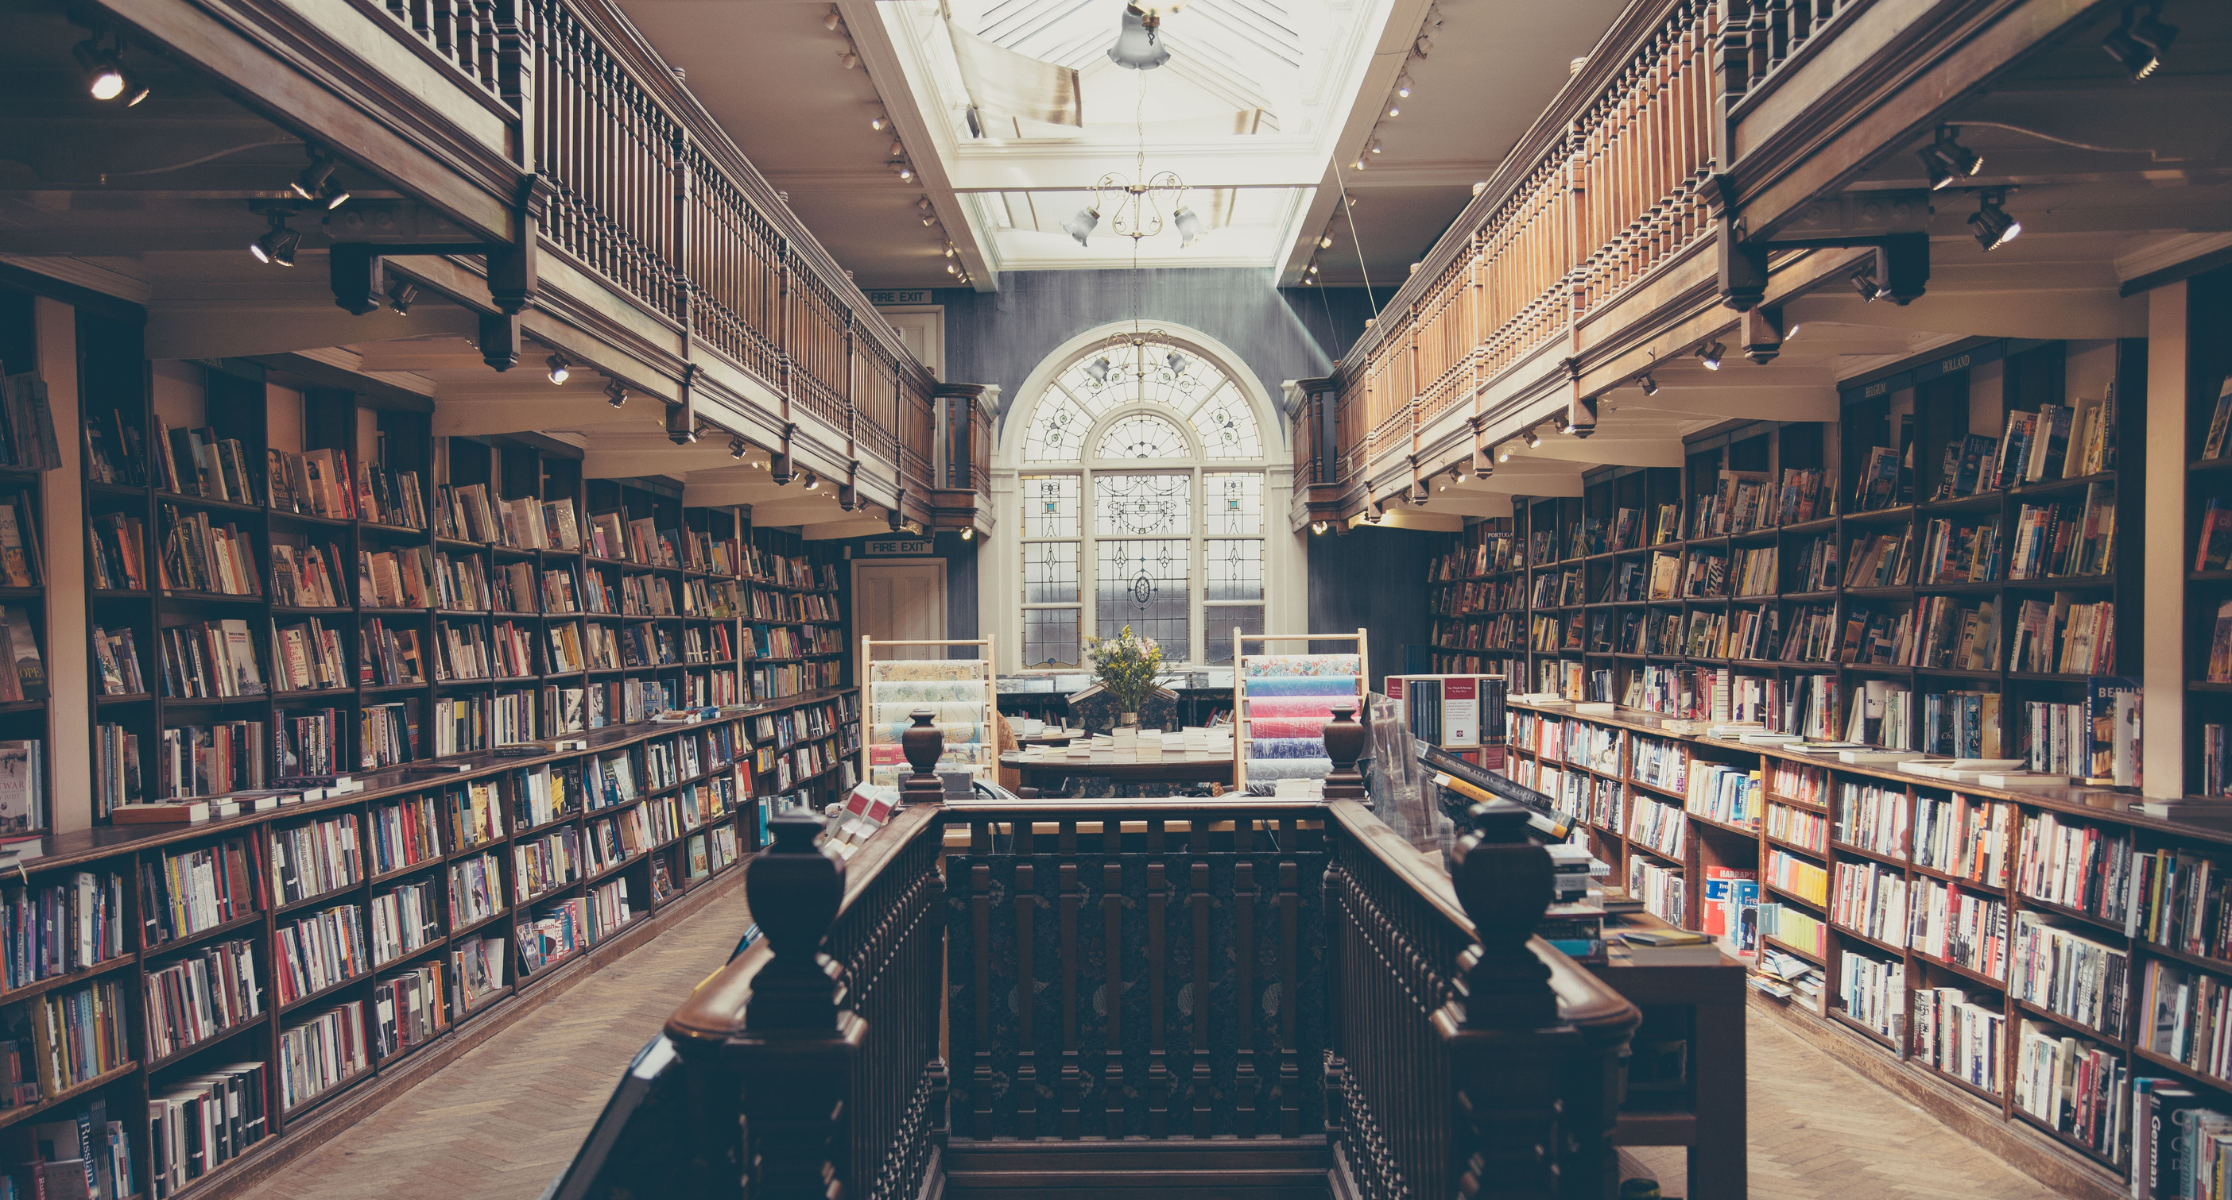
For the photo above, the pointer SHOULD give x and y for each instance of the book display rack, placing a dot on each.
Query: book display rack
(1282, 702)
(300, 584)
(959, 692)
(1797, 574)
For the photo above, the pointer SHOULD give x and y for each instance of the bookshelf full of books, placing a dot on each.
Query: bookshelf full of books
(291, 582)
(2208, 539)
(1893, 577)
(276, 948)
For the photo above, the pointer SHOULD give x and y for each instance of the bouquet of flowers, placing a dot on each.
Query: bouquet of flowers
(1126, 666)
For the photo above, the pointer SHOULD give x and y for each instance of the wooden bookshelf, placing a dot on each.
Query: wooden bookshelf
(2208, 702)
(1543, 737)
(1614, 635)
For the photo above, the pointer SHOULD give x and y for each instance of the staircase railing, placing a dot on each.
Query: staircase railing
(1177, 995)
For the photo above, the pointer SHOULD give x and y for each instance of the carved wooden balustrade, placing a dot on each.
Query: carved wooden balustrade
(1184, 995)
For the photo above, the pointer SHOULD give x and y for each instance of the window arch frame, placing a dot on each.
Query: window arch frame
(1252, 572)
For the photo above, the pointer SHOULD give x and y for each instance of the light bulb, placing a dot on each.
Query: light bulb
(1375, 145)
(1403, 85)
(878, 122)
(1325, 241)
(558, 371)
(968, 533)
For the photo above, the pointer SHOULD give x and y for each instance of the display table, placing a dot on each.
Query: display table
(1047, 773)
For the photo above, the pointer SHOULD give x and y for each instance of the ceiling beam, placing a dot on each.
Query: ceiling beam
(455, 417)
(1730, 401)
(1600, 450)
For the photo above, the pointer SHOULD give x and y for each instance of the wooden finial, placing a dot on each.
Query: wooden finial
(795, 888)
(1344, 744)
(923, 742)
(1504, 881)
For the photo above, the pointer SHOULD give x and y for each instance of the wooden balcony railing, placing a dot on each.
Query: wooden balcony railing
(1604, 188)
(481, 38)
(1201, 995)
(1765, 34)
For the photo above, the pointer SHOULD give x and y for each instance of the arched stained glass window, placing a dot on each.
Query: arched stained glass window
(1142, 491)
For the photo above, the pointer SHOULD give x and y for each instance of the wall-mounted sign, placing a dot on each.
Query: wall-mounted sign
(900, 296)
(898, 546)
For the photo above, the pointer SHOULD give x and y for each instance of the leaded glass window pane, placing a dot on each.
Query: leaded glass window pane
(1226, 428)
(1049, 506)
(1141, 435)
(1058, 428)
(1235, 569)
(1232, 504)
(1050, 638)
(1220, 622)
(1050, 573)
(1142, 505)
(1143, 583)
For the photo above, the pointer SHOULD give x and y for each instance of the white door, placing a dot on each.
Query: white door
(901, 600)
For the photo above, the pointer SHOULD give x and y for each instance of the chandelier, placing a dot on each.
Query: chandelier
(1137, 208)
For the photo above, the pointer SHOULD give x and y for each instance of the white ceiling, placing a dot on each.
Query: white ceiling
(1258, 103)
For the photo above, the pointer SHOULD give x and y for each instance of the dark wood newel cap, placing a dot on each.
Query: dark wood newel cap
(794, 889)
(1504, 881)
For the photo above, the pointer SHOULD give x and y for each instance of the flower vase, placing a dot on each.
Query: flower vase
(1128, 720)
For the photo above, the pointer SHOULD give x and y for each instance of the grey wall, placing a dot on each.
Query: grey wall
(1281, 334)
(1375, 578)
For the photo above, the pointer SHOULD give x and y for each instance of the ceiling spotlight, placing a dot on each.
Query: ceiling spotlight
(1375, 145)
(105, 75)
(878, 122)
(813, 481)
(898, 148)
(614, 393)
(400, 294)
(1138, 45)
(1424, 45)
(1711, 355)
(830, 21)
(736, 447)
(558, 371)
(905, 170)
(1082, 223)
(1317, 527)
(278, 244)
(1394, 109)
(1313, 267)
(950, 251)
(1098, 369)
(1325, 241)
(1650, 385)
(849, 58)
(1403, 85)
(1453, 473)
(1503, 452)
(316, 183)
(1189, 226)
(1532, 437)
(1561, 424)
(1991, 224)
(968, 533)
(929, 222)
(2138, 43)
(953, 269)
(1359, 164)
(1309, 281)
(1947, 160)
(1864, 282)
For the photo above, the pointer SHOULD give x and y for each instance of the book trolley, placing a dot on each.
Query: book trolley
(959, 692)
(1281, 702)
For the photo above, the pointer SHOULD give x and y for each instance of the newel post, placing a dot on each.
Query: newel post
(1509, 1053)
(922, 743)
(797, 1038)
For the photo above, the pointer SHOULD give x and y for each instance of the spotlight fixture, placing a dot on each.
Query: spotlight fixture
(736, 447)
(1864, 282)
(1098, 369)
(400, 295)
(1313, 267)
(878, 122)
(316, 182)
(106, 77)
(1561, 424)
(1082, 223)
(1359, 164)
(830, 21)
(1991, 224)
(898, 148)
(905, 170)
(1454, 475)
(615, 394)
(950, 251)
(813, 481)
(1309, 281)
(1503, 452)
(2138, 43)
(1650, 385)
(1317, 527)
(1189, 226)
(968, 533)
(849, 59)
(1948, 161)
(1532, 437)
(558, 370)
(952, 269)
(929, 221)
(1325, 241)
(1403, 85)
(1375, 145)
(1711, 355)
(1394, 109)
(278, 244)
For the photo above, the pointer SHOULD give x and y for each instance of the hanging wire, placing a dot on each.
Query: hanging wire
(1350, 214)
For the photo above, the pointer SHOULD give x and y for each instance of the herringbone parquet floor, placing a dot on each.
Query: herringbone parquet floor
(503, 1120)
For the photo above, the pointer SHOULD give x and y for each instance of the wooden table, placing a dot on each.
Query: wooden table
(1170, 768)
(1059, 738)
(1710, 1124)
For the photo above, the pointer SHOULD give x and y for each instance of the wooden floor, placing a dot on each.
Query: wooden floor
(503, 1120)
